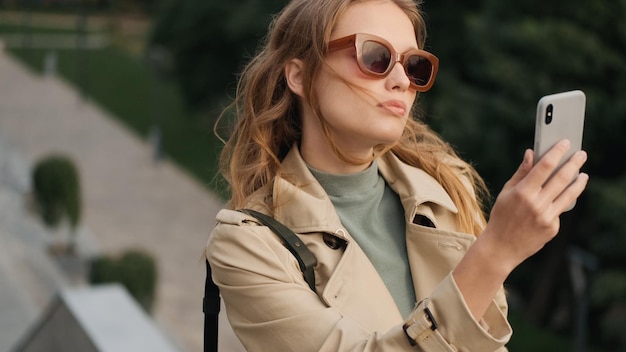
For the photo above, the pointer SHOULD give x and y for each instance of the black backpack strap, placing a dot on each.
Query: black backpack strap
(211, 308)
(306, 259)
(211, 301)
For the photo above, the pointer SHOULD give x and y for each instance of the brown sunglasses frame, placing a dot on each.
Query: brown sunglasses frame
(356, 41)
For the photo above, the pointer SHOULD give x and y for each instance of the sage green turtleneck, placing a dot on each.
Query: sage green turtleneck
(373, 215)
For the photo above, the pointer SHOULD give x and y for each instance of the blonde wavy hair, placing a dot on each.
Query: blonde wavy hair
(267, 113)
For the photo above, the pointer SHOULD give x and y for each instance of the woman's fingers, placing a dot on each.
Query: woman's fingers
(564, 201)
(545, 166)
(559, 185)
(529, 180)
(522, 170)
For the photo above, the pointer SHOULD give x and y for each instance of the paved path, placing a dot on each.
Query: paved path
(129, 201)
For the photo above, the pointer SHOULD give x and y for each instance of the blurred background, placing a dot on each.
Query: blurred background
(162, 71)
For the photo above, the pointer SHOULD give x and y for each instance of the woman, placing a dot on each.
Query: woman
(326, 144)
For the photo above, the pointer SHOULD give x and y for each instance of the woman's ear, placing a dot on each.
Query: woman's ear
(293, 74)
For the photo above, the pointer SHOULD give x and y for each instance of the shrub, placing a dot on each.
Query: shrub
(56, 188)
(102, 269)
(134, 269)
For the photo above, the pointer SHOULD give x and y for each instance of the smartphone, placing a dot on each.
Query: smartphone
(560, 116)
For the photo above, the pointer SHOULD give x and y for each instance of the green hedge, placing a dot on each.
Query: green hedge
(135, 269)
(56, 188)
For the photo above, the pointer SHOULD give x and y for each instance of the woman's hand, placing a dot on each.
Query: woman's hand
(526, 213)
(523, 219)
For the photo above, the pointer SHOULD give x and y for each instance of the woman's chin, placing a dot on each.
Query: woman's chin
(389, 136)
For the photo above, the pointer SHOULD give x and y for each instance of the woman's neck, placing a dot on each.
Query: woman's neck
(319, 154)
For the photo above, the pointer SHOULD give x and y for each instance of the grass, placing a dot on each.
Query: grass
(124, 85)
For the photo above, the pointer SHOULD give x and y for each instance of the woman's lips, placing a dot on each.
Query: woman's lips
(395, 107)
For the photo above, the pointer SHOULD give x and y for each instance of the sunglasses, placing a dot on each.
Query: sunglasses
(376, 57)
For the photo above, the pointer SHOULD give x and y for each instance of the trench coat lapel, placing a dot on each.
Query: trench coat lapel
(306, 209)
(433, 251)
(303, 206)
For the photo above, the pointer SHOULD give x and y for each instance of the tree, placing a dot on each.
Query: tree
(209, 42)
(56, 189)
(498, 60)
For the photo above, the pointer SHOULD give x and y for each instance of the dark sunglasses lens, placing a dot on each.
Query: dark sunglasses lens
(419, 70)
(375, 57)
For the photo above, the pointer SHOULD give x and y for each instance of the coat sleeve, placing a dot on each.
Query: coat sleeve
(271, 307)
(443, 322)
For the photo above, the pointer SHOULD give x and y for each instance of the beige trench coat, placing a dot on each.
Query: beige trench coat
(271, 308)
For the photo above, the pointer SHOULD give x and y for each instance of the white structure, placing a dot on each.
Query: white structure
(102, 318)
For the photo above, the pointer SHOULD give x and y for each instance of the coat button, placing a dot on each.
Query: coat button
(333, 242)
(423, 221)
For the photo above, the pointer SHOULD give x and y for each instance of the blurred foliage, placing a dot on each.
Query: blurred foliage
(541, 341)
(131, 7)
(135, 269)
(56, 188)
(504, 58)
(497, 60)
(609, 294)
(209, 42)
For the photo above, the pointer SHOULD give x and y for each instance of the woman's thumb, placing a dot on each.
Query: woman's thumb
(523, 169)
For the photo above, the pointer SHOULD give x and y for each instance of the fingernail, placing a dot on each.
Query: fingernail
(584, 176)
(564, 143)
(527, 155)
(582, 155)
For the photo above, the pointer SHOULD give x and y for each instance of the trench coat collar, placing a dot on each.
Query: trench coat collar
(303, 205)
